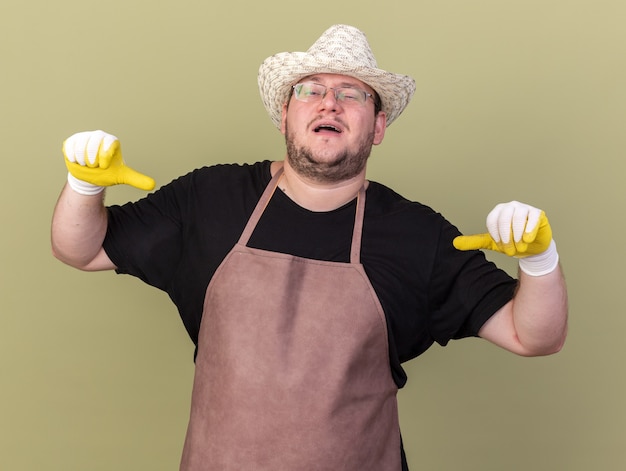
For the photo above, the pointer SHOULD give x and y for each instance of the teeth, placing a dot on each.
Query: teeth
(326, 126)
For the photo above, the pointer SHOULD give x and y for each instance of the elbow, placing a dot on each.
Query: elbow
(55, 252)
(558, 346)
(546, 348)
(58, 254)
(64, 259)
(547, 351)
(69, 260)
(84, 260)
(559, 342)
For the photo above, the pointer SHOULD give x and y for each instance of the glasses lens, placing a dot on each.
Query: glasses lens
(350, 95)
(309, 91)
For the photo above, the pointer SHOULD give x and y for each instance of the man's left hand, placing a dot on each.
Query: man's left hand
(517, 230)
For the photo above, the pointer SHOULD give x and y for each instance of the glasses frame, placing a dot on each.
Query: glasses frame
(335, 90)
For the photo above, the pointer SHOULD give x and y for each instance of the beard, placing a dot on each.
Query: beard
(345, 165)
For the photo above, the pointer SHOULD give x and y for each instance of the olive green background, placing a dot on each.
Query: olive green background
(517, 100)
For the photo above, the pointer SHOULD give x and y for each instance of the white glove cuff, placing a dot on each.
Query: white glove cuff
(540, 264)
(82, 187)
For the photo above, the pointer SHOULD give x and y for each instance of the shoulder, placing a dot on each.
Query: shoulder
(416, 236)
(212, 184)
(199, 191)
(383, 203)
(225, 175)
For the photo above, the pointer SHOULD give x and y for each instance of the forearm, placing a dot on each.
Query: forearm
(534, 322)
(539, 312)
(79, 225)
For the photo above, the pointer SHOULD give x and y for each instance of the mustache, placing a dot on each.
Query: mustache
(337, 119)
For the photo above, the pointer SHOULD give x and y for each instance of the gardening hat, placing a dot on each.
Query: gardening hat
(343, 50)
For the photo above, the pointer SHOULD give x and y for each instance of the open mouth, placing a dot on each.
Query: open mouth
(327, 127)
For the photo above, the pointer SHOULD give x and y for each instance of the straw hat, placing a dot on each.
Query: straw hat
(341, 50)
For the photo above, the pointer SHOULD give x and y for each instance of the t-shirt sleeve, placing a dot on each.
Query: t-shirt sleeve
(466, 288)
(144, 237)
(191, 222)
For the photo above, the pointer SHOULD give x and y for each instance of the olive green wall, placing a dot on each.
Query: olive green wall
(516, 100)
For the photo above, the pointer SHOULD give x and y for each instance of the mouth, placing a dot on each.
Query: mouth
(327, 128)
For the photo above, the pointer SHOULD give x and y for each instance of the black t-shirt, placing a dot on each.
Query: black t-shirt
(175, 238)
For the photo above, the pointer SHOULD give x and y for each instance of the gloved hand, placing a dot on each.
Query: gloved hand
(94, 160)
(517, 230)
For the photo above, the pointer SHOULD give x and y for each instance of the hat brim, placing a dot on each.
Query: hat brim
(280, 72)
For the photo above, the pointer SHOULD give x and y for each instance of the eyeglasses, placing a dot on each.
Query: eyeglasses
(310, 92)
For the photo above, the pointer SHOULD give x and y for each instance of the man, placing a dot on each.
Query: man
(303, 285)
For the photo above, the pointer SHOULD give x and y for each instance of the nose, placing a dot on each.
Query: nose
(329, 100)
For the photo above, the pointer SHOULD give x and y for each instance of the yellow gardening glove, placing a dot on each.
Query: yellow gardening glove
(517, 230)
(94, 160)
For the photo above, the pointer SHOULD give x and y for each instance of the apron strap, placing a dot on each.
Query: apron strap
(355, 251)
(260, 207)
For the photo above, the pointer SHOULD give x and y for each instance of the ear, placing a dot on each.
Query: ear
(380, 125)
(283, 119)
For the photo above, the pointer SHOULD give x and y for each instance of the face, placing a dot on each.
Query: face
(329, 141)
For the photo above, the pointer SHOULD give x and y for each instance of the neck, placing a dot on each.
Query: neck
(316, 196)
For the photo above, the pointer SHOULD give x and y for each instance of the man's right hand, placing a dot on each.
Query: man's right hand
(94, 160)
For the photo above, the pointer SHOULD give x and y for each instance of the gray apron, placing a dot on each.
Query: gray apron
(292, 371)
